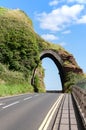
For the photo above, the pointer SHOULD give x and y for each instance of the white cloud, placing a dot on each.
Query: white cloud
(49, 37)
(66, 32)
(60, 18)
(78, 1)
(63, 44)
(56, 2)
(82, 20)
(53, 3)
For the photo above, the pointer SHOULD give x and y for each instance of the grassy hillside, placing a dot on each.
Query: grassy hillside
(18, 48)
(19, 51)
(13, 82)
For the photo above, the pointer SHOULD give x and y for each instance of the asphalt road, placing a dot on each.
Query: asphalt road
(25, 112)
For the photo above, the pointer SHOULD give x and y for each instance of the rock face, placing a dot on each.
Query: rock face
(72, 72)
(69, 63)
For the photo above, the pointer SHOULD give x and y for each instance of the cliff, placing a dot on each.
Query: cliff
(20, 49)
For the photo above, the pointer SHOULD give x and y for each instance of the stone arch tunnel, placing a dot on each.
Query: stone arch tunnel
(65, 63)
(57, 60)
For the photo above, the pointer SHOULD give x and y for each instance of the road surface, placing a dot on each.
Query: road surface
(25, 112)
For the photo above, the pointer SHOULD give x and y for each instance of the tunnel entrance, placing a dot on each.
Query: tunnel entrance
(52, 79)
(58, 62)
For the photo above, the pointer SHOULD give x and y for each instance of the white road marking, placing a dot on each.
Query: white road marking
(27, 98)
(10, 104)
(50, 114)
(2, 104)
(36, 95)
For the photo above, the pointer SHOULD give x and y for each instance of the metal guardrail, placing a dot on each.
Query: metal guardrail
(79, 95)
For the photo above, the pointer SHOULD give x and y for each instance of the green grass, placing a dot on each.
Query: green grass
(3, 10)
(13, 82)
(6, 89)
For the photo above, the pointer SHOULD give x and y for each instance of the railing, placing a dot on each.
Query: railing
(79, 95)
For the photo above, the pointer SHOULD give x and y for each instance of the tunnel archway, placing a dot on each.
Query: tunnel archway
(66, 64)
(57, 60)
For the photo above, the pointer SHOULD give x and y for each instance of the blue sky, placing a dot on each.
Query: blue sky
(61, 22)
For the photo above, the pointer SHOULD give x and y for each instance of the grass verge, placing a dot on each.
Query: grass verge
(6, 89)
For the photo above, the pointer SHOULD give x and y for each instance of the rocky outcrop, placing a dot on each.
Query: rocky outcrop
(69, 62)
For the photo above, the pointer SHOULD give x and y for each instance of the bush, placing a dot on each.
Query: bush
(18, 47)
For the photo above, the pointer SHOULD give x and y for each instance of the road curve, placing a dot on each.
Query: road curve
(25, 112)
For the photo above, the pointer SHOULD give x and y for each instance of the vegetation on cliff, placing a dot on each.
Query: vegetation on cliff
(13, 82)
(20, 49)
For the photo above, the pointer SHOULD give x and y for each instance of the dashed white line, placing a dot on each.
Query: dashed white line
(27, 98)
(10, 104)
(16, 102)
(36, 95)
